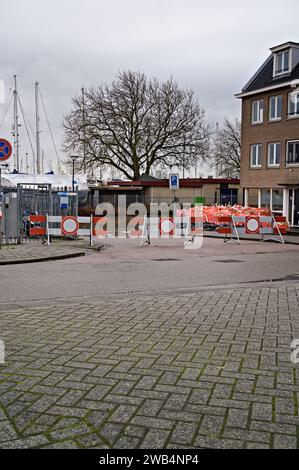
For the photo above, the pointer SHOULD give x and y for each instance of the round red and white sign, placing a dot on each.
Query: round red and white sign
(252, 225)
(69, 225)
(5, 149)
(166, 226)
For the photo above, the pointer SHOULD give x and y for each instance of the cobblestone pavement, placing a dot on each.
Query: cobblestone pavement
(205, 370)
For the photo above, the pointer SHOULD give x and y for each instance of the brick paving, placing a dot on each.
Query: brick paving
(205, 370)
(34, 250)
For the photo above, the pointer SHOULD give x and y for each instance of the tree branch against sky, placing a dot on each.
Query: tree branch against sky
(226, 149)
(136, 124)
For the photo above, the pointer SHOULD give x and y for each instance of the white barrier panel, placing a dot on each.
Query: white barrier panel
(234, 226)
(185, 227)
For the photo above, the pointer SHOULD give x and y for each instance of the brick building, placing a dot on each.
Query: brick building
(151, 190)
(270, 134)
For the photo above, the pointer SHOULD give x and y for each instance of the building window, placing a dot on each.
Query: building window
(266, 198)
(274, 154)
(257, 111)
(293, 104)
(256, 156)
(293, 152)
(275, 108)
(282, 62)
(277, 200)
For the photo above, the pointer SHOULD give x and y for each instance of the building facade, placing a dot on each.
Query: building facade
(270, 134)
(213, 190)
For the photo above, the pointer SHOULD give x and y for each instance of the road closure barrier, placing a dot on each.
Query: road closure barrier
(63, 226)
(268, 227)
(183, 225)
(189, 224)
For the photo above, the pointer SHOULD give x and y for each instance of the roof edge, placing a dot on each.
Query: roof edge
(284, 45)
(257, 73)
(261, 90)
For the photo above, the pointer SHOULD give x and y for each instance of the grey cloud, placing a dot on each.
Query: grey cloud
(213, 47)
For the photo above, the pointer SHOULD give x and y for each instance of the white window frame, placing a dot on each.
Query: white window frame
(275, 164)
(276, 98)
(252, 147)
(295, 115)
(296, 141)
(260, 111)
(283, 71)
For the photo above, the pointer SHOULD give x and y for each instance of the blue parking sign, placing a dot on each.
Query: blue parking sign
(64, 201)
(174, 182)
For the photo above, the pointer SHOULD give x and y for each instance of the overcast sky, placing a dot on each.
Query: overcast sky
(211, 46)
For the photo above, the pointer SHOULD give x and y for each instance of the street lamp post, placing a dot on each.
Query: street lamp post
(73, 157)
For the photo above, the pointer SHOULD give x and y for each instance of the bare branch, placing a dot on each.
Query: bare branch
(135, 124)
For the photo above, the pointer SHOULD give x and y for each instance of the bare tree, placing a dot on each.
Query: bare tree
(135, 124)
(226, 149)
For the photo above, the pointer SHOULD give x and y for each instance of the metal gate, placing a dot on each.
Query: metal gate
(28, 200)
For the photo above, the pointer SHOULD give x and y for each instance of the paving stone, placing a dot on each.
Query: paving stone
(200, 396)
(183, 433)
(65, 433)
(135, 431)
(159, 423)
(203, 370)
(110, 431)
(282, 441)
(150, 407)
(175, 402)
(212, 443)
(180, 415)
(256, 436)
(91, 440)
(67, 444)
(7, 432)
(262, 411)
(237, 418)
(71, 397)
(123, 413)
(43, 403)
(155, 439)
(257, 445)
(127, 442)
(26, 443)
(211, 425)
(97, 393)
(64, 423)
(274, 427)
(283, 405)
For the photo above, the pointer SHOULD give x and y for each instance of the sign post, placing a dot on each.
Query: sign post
(174, 184)
(5, 154)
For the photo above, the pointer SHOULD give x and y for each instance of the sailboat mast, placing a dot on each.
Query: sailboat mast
(16, 126)
(84, 132)
(37, 131)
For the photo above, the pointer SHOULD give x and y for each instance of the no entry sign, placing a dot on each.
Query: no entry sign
(5, 149)
(167, 226)
(69, 225)
(252, 225)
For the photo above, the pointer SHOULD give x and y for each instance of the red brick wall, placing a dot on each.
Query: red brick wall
(282, 131)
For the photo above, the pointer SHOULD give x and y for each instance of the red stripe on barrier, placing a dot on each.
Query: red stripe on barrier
(37, 231)
(37, 218)
(224, 230)
(224, 219)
